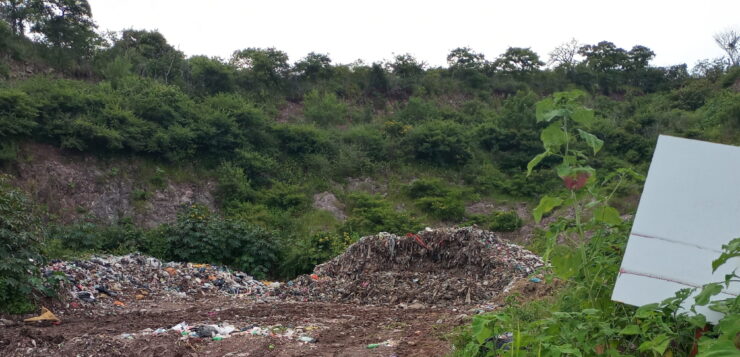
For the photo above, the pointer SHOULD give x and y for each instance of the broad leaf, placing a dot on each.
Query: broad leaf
(542, 107)
(546, 205)
(707, 292)
(630, 330)
(729, 250)
(607, 214)
(658, 344)
(718, 349)
(595, 143)
(535, 161)
(583, 116)
(553, 137)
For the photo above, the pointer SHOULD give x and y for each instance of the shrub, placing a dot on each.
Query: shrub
(303, 140)
(324, 109)
(233, 185)
(17, 113)
(199, 236)
(88, 237)
(285, 197)
(418, 110)
(306, 253)
(442, 208)
(426, 187)
(21, 237)
(505, 221)
(442, 143)
(370, 214)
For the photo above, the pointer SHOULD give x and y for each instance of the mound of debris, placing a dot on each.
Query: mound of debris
(444, 266)
(135, 276)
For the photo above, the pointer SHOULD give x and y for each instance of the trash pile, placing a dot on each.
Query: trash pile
(443, 266)
(136, 276)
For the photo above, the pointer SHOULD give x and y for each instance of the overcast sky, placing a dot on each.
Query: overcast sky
(677, 31)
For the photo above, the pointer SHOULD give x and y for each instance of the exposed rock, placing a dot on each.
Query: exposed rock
(326, 201)
(73, 185)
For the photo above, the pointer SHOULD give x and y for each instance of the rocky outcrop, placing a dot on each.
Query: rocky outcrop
(326, 201)
(72, 186)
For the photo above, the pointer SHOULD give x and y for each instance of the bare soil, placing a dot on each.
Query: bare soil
(340, 330)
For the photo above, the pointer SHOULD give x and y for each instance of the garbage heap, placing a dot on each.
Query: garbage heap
(136, 276)
(451, 266)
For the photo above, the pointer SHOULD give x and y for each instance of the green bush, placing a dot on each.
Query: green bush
(233, 185)
(443, 208)
(17, 113)
(441, 143)
(305, 253)
(199, 236)
(324, 109)
(426, 187)
(286, 197)
(417, 111)
(301, 140)
(21, 237)
(89, 237)
(370, 214)
(505, 221)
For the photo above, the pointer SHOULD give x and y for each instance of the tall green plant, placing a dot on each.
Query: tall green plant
(20, 244)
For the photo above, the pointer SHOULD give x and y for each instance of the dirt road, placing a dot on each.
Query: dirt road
(339, 330)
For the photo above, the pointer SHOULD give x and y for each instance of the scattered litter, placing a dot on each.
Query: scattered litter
(535, 280)
(442, 266)
(45, 315)
(388, 343)
(307, 339)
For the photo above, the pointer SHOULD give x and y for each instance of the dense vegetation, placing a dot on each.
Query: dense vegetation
(273, 133)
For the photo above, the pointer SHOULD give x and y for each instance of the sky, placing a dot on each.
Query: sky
(678, 31)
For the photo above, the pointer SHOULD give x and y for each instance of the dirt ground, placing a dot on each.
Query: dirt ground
(339, 330)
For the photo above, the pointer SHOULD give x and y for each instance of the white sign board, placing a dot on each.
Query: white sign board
(690, 207)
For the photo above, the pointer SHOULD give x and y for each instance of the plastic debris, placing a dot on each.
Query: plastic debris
(206, 331)
(306, 339)
(45, 315)
(535, 280)
(86, 296)
(436, 266)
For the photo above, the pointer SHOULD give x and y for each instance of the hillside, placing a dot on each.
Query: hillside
(120, 144)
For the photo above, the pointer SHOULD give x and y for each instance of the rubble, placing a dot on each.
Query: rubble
(451, 266)
(118, 279)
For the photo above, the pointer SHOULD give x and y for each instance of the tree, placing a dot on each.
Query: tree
(314, 66)
(604, 56)
(729, 41)
(16, 13)
(150, 54)
(517, 59)
(564, 56)
(209, 76)
(266, 66)
(378, 80)
(406, 66)
(638, 58)
(465, 58)
(64, 24)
